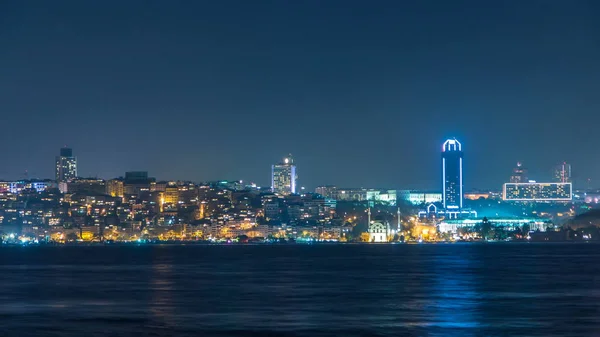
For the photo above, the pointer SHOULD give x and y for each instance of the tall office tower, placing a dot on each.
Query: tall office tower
(66, 165)
(283, 176)
(452, 175)
(519, 174)
(562, 173)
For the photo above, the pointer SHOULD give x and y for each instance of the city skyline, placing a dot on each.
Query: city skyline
(299, 168)
(283, 175)
(349, 88)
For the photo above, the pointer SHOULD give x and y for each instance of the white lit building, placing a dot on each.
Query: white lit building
(378, 229)
(534, 191)
(283, 177)
(419, 198)
(378, 232)
(66, 166)
(453, 225)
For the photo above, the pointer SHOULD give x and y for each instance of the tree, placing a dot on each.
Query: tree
(462, 231)
(486, 228)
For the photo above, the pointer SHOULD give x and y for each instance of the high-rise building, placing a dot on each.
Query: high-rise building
(452, 174)
(519, 174)
(66, 165)
(562, 173)
(283, 176)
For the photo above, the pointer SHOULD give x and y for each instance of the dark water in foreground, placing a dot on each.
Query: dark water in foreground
(301, 290)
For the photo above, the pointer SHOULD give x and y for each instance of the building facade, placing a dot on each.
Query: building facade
(533, 191)
(66, 166)
(452, 174)
(283, 176)
(114, 188)
(453, 225)
(419, 198)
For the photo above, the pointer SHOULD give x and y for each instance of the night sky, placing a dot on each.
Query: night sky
(362, 93)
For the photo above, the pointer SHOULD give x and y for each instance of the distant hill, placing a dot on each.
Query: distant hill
(591, 218)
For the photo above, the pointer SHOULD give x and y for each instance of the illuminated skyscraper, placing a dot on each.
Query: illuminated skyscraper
(519, 174)
(452, 175)
(66, 165)
(283, 176)
(562, 173)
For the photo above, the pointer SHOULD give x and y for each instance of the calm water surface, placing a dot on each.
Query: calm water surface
(301, 290)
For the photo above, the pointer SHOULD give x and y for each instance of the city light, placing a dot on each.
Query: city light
(141, 209)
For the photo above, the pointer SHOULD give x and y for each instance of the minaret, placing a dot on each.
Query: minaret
(369, 216)
(399, 221)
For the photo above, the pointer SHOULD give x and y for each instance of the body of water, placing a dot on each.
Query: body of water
(301, 290)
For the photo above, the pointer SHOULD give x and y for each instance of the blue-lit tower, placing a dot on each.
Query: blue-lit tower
(452, 174)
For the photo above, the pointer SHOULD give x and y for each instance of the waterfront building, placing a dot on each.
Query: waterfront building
(534, 191)
(378, 229)
(283, 176)
(452, 174)
(509, 224)
(378, 232)
(66, 165)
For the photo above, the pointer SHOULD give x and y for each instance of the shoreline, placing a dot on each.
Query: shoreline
(195, 243)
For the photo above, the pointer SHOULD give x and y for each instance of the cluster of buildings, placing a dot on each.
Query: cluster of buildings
(445, 211)
(137, 207)
(520, 188)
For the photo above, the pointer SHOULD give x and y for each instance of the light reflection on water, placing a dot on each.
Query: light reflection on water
(296, 290)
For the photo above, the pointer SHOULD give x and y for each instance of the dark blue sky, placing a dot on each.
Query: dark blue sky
(363, 93)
